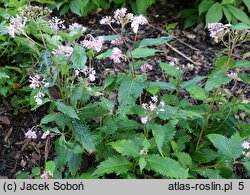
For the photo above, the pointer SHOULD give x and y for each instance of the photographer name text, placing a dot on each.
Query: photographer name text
(44, 186)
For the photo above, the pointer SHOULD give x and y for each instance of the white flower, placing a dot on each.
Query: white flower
(31, 134)
(138, 20)
(120, 13)
(46, 175)
(56, 24)
(144, 106)
(245, 145)
(16, 26)
(144, 120)
(162, 103)
(45, 134)
(146, 67)
(66, 50)
(232, 75)
(35, 81)
(93, 43)
(107, 20)
(143, 152)
(171, 63)
(154, 98)
(152, 106)
(38, 98)
(92, 77)
(116, 55)
(76, 26)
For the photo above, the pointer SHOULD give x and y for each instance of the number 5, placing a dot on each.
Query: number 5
(241, 185)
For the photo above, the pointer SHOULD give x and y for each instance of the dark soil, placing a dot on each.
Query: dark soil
(19, 154)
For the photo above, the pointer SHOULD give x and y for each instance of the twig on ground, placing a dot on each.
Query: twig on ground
(180, 53)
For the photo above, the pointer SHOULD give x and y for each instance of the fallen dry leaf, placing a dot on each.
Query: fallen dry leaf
(4, 120)
(8, 134)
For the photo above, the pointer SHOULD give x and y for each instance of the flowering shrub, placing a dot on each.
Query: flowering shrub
(124, 121)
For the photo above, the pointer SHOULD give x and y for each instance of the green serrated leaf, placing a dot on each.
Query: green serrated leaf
(67, 110)
(74, 35)
(174, 113)
(154, 41)
(92, 111)
(29, 44)
(75, 163)
(197, 92)
(49, 118)
(167, 167)
(244, 77)
(126, 147)
(239, 14)
(82, 134)
(159, 136)
(229, 147)
(247, 166)
(114, 164)
(241, 26)
(142, 6)
(222, 62)
(155, 87)
(247, 3)
(209, 173)
(171, 70)
(4, 75)
(36, 171)
(227, 14)
(129, 90)
(142, 52)
(78, 58)
(205, 155)
(50, 166)
(192, 82)
(105, 54)
(184, 159)
(204, 6)
(142, 163)
(216, 81)
(214, 13)
(242, 64)
(77, 5)
(77, 93)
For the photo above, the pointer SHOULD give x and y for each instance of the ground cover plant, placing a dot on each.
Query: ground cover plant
(122, 123)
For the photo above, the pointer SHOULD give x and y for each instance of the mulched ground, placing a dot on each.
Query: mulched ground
(194, 49)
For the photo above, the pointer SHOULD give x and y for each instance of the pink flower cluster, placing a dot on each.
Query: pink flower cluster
(218, 30)
(16, 26)
(138, 20)
(152, 107)
(232, 75)
(143, 152)
(90, 72)
(31, 134)
(116, 55)
(46, 175)
(38, 98)
(37, 81)
(146, 67)
(93, 43)
(62, 50)
(56, 24)
(246, 146)
(76, 26)
(122, 17)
